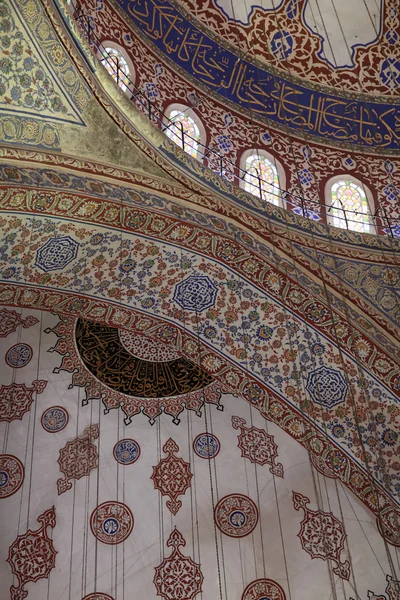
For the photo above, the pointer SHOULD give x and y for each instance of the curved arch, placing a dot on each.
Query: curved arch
(118, 64)
(262, 175)
(189, 132)
(230, 378)
(350, 204)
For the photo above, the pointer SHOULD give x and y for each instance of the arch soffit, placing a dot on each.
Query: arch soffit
(232, 378)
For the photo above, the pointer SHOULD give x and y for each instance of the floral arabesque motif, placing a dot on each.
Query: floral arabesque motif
(178, 577)
(16, 399)
(32, 556)
(172, 476)
(322, 535)
(392, 590)
(10, 320)
(197, 293)
(263, 589)
(258, 446)
(78, 458)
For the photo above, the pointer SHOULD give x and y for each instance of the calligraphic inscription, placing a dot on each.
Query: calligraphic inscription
(206, 445)
(257, 445)
(303, 109)
(263, 589)
(236, 515)
(32, 555)
(78, 458)
(105, 356)
(178, 577)
(55, 419)
(19, 355)
(126, 451)
(111, 522)
(172, 476)
(11, 475)
(322, 535)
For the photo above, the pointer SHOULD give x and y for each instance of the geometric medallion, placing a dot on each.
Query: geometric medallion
(172, 476)
(78, 458)
(11, 475)
(197, 292)
(16, 399)
(327, 387)
(126, 451)
(258, 446)
(19, 355)
(56, 254)
(178, 577)
(32, 555)
(111, 522)
(206, 445)
(236, 515)
(10, 320)
(263, 589)
(322, 535)
(54, 419)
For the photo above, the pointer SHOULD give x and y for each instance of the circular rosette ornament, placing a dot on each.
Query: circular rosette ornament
(98, 596)
(55, 419)
(111, 522)
(11, 475)
(126, 451)
(19, 355)
(263, 589)
(206, 445)
(236, 515)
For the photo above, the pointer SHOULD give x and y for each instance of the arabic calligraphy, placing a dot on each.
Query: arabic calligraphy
(106, 358)
(311, 111)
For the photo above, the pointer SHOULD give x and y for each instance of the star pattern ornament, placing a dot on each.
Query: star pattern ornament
(172, 476)
(32, 556)
(322, 535)
(10, 320)
(257, 445)
(78, 458)
(178, 577)
(16, 399)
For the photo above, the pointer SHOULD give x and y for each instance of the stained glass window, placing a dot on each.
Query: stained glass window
(182, 121)
(116, 65)
(349, 207)
(261, 178)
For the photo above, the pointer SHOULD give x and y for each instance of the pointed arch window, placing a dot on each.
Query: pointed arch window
(185, 129)
(117, 64)
(349, 205)
(261, 177)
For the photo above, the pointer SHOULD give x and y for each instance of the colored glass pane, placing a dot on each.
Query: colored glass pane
(349, 207)
(116, 65)
(261, 179)
(181, 122)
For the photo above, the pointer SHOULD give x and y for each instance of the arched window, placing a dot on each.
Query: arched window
(261, 176)
(185, 129)
(349, 204)
(117, 64)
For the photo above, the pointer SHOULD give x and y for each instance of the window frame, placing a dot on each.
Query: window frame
(132, 73)
(330, 218)
(190, 112)
(280, 171)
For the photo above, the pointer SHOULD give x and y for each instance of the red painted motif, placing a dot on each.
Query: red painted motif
(263, 589)
(178, 577)
(392, 591)
(388, 523)
(78, 458)
(321, 466)
(258, 446)
(10, 320)
(322, 535)
(11, 475)
(111, 522)
(16, 399)
(32, 556)
(236, 515)
(98, 596)
(172, 476)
